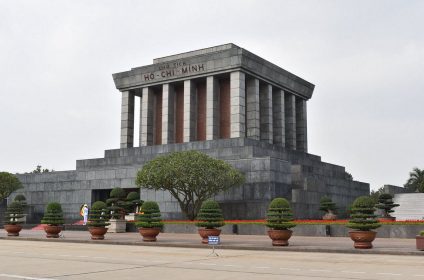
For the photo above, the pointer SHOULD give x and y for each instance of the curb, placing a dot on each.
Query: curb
(225, 247)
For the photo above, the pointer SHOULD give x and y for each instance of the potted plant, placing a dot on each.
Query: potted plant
(13, 218)
(210, 218)
(132, 205)
(329, 207)
(98, 220)
(53, 220)
(362, 221)
(420, 241)
(149, 221)
(279, 220)
(385, 203)
(20, 198)
(115, 204)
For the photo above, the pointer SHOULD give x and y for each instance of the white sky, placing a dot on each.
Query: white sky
(366, 58)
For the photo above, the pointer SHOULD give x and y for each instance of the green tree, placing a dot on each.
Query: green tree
(8, 184)
(375, 194)
(416, 180)
(190, 176)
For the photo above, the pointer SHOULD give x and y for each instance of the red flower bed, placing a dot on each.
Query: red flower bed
(301, 222)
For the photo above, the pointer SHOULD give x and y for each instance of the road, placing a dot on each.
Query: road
(59, 260)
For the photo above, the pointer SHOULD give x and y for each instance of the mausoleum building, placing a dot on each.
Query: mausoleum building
(226, 102)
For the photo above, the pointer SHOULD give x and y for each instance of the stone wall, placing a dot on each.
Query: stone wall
(271, 171)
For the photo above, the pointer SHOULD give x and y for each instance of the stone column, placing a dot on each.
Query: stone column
(301, 125)
(238, 104)
(168, 126)
(265, 98)
(127, 119)
(146, 117)
(189, 111)
(278, 117)
(212, 112)
(290, 114)
(252, 109)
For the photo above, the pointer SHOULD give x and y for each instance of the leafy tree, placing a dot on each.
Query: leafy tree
(8, 184)
(150, 216)
(116, 202)
(376, 194)
(210, 215)
(190, 176)
(416, 180)
(39, 170)
(279, 215)
(327, 205)
(362, 215)
(385, 202)
(99, 215)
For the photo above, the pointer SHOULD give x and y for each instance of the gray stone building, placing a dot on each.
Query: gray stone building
(223, 101)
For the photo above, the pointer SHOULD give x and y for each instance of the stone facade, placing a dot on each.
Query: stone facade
(225, 102)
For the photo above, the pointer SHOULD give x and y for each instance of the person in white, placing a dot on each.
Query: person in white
(85, 213)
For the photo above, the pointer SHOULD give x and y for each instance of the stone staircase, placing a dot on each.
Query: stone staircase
(411, 206)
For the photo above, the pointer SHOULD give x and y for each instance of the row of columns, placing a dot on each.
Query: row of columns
(257, 110)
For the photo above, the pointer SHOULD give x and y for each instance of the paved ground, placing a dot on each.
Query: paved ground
(61, 260)
(244, 242)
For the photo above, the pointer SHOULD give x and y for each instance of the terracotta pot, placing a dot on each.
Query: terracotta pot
(13, 230)
(420, 242)
(149, 234)
(97, 233)
(205, 232)
(280, 237)
(362, 239)
(329, 216)
(52, 231)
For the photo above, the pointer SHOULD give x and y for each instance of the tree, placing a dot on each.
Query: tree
(385, 203)
(8, 184)
(416, 180)
(375, 194)
(39, 170)
(190, 176)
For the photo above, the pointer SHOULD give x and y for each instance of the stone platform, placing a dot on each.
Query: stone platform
(271, 171)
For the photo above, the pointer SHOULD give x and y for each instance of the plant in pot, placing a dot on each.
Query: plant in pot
(13, 218)
(53, 220)
(132, 205)
(362, 221)
(280, 220)
(329, 207)
(385, 203)
(22, 200)
(420, 241)
(115, 203)
(209, 218)
(149, 221)
(98, 220)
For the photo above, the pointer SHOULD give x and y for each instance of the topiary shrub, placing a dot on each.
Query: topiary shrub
(385, 203)
(150, 216)
(98, 216)
(133, 202)
(14, 214)
(210, 215)
(327, 205)
(116, 203)
(279, 215)
(53, 215)
(422, 233)
(362, 215)
(21, 199)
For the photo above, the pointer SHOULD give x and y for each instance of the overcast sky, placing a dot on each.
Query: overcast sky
(366, 59)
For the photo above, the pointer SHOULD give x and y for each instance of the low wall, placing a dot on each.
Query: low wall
(385, 231)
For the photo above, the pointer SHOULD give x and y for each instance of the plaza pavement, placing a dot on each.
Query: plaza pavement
(389, 246)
